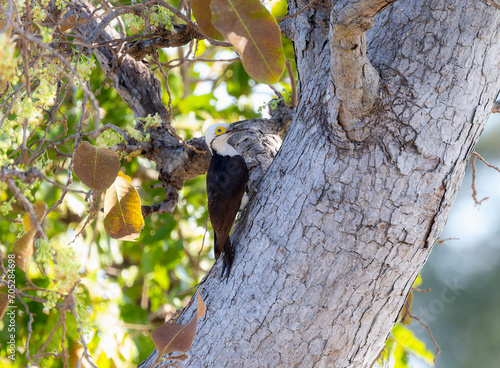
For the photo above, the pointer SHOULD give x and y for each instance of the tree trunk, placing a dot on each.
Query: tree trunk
(347, 213)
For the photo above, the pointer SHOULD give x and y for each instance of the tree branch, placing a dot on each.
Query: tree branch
(134, 81)
(355, 80)
(28, 207)
(181, 35)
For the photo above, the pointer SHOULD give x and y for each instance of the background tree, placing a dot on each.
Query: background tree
(343, 217)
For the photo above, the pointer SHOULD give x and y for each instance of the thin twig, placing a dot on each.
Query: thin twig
(92, 214)
(420, 290)
(78, 138)
(438, 349)
(293, 84)
(442, 241)
(63, 60)
(181, 61)
(186, 251)
(473, 185)
(29, 328)
(28, 207)
(191, 24)
(85, 353)
(485, 162)
(169, 109)
(202, 243)
(296, 13)
(49, 338)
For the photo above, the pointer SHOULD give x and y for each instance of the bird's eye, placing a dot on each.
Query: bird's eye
(219, 130)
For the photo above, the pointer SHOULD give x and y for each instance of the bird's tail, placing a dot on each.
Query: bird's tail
(228, 257)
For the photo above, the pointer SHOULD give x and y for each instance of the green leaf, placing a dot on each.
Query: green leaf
(237, 80)
(203, 15)
(96, 167)
(279, 8)
(122, 210)
(254, 32)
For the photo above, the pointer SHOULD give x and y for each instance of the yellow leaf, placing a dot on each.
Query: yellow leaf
(405, 338)
(40, 208)
(126, 177)
(122, 210)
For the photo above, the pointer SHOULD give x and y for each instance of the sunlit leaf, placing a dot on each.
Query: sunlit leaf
(400, 357)
(122, 210)
(40, 208)
(405, 313)
(253, 31)
(170, 338)
(279, 8)
(203, 15)
(4, 303)
(96, 167)
(405, 338)
(23, 249)
(418, 281)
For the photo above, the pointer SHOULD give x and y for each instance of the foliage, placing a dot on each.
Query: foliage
(402, 343)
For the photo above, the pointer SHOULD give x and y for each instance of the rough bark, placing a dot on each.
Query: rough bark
(329, 247)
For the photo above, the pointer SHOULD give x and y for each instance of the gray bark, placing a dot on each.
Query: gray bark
(329, 247)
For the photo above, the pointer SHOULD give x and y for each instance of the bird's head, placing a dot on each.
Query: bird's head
(216, 138)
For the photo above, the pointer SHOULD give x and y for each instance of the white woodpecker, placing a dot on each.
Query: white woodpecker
(227, 179)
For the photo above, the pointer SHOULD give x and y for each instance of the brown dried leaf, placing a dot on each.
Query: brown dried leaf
(122, 210)
(23, 249)
(170, 338)
(40, 208)
(4, 303)
(201, 306)
(254, 32)
(96, 167)
(203, 15)
(70, 20)
(69, 23)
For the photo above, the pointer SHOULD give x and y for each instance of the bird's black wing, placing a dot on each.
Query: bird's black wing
(227, 178)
